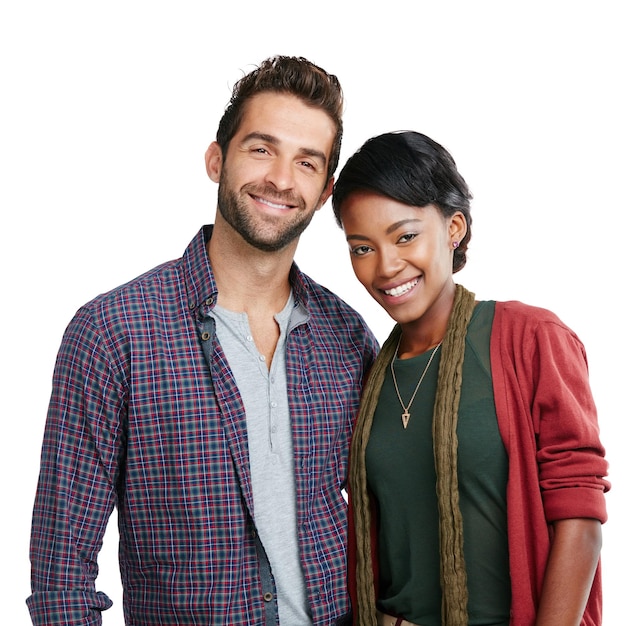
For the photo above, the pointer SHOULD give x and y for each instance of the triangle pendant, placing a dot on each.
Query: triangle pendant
(406, 416)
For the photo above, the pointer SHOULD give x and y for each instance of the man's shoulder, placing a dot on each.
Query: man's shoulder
(335, 320)
(157, 280)
(132, 306)
(113, 317)
(322, 298)
(162, 282)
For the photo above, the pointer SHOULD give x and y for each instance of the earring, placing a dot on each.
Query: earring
(455, 244)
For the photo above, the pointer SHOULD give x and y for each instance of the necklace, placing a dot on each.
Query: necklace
(406, 416)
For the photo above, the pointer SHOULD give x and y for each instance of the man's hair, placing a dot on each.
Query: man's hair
(287, 75)
(410, 168)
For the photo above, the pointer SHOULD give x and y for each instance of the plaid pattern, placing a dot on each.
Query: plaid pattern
(143, 419)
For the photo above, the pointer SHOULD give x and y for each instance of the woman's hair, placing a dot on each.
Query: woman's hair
(288, 75)
(410, 168)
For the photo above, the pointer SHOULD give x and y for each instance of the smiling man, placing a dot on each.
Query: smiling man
(288, 168)
(212, 399)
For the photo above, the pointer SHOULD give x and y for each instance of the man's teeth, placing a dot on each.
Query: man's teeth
(401, 289)
(273, 204)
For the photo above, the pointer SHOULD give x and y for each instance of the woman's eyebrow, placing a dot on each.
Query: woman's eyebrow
(388, 230)
(397, 225)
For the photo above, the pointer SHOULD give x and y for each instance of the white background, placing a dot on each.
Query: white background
(107, 108)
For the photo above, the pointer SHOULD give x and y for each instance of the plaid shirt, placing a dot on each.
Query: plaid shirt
(145, 415)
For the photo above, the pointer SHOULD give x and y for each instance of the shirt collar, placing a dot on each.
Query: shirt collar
(200, 281)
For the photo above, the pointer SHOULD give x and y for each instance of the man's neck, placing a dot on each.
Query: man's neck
(249, 279)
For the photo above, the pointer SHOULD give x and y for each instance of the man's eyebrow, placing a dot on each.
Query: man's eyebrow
(314, 154)
(261, 137)
(310, 152)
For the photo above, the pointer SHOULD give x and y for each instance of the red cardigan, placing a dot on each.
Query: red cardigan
(548, 423)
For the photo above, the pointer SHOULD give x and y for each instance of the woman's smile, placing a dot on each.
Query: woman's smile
(400, 290)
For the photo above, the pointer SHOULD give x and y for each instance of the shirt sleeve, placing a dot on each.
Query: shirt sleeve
(76, 492)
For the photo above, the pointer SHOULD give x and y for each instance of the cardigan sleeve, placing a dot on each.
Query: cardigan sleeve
(570, 455)
(548, 396)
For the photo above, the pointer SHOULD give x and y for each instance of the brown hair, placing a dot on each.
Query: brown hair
(289, 75)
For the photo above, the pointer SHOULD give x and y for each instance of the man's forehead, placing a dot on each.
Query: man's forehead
(282, 116)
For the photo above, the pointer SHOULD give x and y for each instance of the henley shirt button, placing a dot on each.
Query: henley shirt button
(205, 336)
(210, 301)
(268, 597)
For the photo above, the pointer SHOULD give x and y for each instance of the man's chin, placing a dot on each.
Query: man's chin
(265, 245)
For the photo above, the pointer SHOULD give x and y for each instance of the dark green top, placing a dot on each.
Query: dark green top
(401, 474)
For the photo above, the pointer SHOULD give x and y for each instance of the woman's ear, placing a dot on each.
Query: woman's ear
(213, 161)
(457, 228)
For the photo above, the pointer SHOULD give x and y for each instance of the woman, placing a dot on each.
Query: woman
(477, 475)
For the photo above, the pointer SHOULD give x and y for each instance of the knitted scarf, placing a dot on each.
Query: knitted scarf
(452, 563)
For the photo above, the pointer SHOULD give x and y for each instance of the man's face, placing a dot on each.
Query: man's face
(273, 177)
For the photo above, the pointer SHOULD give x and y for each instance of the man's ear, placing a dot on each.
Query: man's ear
(213, 161)
(326, 193)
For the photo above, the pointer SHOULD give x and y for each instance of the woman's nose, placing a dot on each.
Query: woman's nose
(389, 263)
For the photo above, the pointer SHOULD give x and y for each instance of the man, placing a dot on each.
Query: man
(212, 399)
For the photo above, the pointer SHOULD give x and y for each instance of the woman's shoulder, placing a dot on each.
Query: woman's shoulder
(514, 311)
(528, 323)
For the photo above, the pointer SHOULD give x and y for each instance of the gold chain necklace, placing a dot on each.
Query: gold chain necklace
(406, 416)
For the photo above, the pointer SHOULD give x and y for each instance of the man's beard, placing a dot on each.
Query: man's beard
(269, 235)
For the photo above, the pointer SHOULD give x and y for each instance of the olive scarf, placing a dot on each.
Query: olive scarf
(452, 563)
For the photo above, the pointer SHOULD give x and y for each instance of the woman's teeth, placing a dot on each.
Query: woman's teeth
(401, 289)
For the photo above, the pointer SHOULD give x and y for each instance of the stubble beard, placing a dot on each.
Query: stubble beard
(269, 235)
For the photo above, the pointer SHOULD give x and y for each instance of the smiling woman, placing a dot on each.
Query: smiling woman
(399, 250)
(488, 488)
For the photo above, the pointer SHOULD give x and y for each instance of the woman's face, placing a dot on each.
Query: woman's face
(402, 254)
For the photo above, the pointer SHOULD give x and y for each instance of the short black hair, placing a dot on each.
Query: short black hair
(411, 168)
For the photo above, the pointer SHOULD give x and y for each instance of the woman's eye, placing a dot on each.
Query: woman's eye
(360, 250)
(408, 237)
